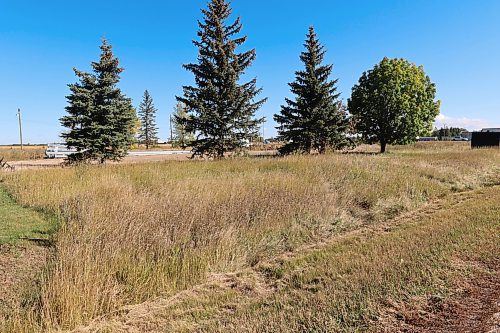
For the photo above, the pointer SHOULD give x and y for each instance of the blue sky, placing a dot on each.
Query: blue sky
(458, 43)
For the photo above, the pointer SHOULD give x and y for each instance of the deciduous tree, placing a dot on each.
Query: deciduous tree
(393, 103)
(181, 136)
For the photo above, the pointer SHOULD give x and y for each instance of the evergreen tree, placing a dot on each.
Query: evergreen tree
(79, 114)
(181, 137)
(222, 111)
(100, 118)
(315, 120)
(148, 132)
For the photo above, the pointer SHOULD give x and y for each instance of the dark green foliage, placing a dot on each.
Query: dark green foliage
(445, 132)
(100, 118)
(315, 120)
(148, 132)
(221, 110)
(393, 103)
(181, 137)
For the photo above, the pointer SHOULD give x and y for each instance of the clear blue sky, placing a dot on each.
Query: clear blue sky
(458, 42)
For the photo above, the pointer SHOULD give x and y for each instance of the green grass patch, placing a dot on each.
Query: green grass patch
(18, 223)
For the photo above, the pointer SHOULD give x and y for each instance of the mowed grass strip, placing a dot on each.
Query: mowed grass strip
(343, 286)
(18, 223)
(22, 229)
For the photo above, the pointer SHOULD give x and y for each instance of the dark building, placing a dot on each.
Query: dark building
(486, 139)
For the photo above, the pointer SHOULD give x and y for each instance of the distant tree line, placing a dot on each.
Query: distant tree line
(393, 103)
(446, 132)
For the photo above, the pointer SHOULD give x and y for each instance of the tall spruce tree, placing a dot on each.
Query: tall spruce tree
(315, 120)
(222, 111)
(148, 132)
(100, 118)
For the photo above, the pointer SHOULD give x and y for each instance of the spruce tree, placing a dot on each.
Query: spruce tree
(79, 115)
(181, 137)
(100, 117)
(148, 132)
(222, 110)
(315, 119)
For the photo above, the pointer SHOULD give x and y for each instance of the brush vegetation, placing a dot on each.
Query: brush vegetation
(131, 234)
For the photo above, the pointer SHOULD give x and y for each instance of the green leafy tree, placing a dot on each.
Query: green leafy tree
(181, 136)
(148, 131)
(221, 109)
(315, 119)
(100, 117)
(394, 103)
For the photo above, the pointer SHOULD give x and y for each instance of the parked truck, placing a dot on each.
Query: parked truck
(58, 150)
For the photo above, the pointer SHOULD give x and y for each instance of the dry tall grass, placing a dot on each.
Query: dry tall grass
(345, 285)
(15, 153)
(133, 232)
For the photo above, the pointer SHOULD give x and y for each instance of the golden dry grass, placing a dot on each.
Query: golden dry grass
(131, 233)
(344, 284)
(14, 153)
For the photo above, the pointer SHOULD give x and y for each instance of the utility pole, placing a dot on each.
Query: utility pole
(171, 131)
(263, 136)
(20, 128)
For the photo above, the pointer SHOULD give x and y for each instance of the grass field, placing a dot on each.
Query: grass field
(261, 244)
(14, 153)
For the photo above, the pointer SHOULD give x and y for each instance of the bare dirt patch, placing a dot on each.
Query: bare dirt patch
(474, 307)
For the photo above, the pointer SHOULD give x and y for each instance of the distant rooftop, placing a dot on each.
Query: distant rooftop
(491, 130)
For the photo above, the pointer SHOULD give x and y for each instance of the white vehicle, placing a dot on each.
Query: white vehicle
(158, 153)
(460, 138)
(58, 150)
(427, 138)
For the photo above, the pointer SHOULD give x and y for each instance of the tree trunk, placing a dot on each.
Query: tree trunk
(383, 147)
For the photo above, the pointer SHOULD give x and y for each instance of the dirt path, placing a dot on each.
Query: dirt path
(56, 163)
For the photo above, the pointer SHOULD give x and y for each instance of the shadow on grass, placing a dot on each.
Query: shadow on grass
(363, 153)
